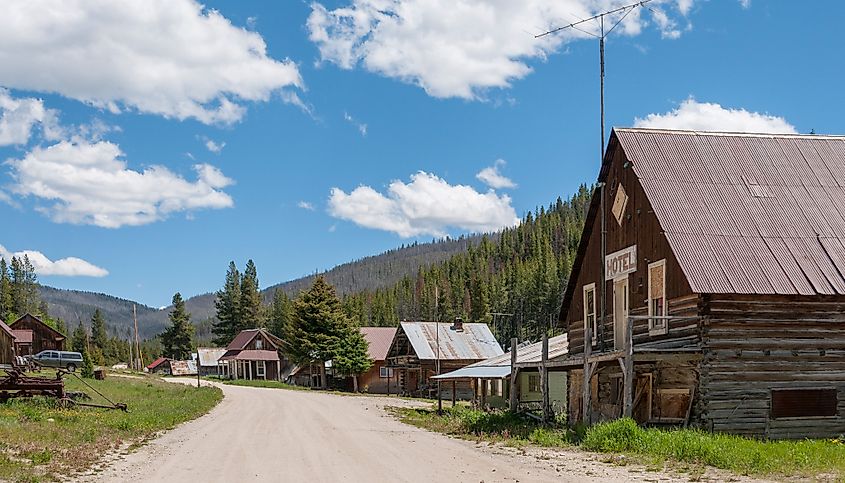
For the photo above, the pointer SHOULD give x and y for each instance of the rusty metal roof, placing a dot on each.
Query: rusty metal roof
(183, 368)
(474, 342)
(499, 367)
(252, 355)
(747, 213)
(208, 356)
(378, 340)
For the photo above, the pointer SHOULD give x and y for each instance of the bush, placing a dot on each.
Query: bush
(614, 437)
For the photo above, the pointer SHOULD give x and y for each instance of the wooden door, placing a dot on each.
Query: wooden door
(620, 311)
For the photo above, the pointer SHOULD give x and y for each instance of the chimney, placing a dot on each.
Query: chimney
(458, 325)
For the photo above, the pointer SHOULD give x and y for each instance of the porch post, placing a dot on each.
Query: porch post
(249, 367)
(544, 380)
(454, 389)
(586, 415)
(514, 397)
(628, 378)
(278, 370)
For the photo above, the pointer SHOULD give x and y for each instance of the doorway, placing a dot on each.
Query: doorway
(620, 312)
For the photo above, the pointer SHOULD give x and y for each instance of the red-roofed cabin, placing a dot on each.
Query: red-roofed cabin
(160, 366)
(256, 354)
(718, 299)
(379, 379)
(42, 337)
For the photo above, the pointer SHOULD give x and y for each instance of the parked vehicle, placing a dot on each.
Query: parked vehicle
(59, 359)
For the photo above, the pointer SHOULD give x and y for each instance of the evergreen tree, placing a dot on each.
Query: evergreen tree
(281, 313)
(61, 326)
(98, 330)
(176, 339)
(6, 301)
(87, 363)
(250, 314)
(79, 340)
(228, 308)
(352, 356)
(24, 286)
(318, 326)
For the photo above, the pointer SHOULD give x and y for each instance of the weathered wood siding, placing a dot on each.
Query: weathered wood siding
(753, 344)
(44, 337)
(7, 348)
(641, 228)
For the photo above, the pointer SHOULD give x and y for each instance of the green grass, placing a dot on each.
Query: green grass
(40, 441)
(655, 447)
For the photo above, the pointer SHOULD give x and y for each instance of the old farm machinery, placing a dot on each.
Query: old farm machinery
(16, 384)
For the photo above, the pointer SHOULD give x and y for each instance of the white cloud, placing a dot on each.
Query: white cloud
(90, 183)
(19, 116)
(173, 58)
(705, 116)
(213, 146)
(493, 178)
(362, 127)
(428, 205)
(70, 266)
(462, 49)
(305, 205)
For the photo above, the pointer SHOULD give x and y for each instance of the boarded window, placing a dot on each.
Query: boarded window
(657, 296)
(803, 403)
(590, 310)
(620, 202)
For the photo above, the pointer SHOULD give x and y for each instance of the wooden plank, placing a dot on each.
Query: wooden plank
(514, 388)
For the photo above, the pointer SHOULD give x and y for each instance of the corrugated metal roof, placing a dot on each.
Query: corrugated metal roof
(747, 213)
(253, 355)
(209, 356)
(500, 366)
(474, 342)
(378, 340)
(157, 363)
(183, 368)
(22, 336)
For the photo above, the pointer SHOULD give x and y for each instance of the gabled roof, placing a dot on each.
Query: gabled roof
(23, 336)
(500, 366)
(208, 356)
(157, 362)
(5, 328)
(474, 342)
(742, 213)
(56, 334)
(245, 337)
(747, 213)
(379, 340)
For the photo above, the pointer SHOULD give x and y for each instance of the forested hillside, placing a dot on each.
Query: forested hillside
(522, 272)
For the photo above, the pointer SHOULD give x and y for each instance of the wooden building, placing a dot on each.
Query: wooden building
(380, 379)
(256, 354)
(209, 363)
(159, 366)
(43, 337)
(718, 298)
(419, 347)
(7, 346)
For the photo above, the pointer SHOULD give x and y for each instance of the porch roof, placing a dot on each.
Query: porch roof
(252, 355)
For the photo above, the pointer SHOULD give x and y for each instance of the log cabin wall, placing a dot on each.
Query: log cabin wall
(754, 344)
(7, 348)
(639, 227)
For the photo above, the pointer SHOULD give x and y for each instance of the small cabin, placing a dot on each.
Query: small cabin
(421, 350)
(256, 354)
(40, 335)
(709, 285)
(380, 379)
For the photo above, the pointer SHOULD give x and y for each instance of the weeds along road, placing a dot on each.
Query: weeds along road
(258, 434)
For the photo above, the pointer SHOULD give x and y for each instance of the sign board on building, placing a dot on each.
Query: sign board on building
(620, 263)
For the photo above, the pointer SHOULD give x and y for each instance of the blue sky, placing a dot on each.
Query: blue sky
(145, 149)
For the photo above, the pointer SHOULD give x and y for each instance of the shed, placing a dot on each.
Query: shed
(210, 363)
(718, 301)
(418, 348)
(159, 366)
(43, 336)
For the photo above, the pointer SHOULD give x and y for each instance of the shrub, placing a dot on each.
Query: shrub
(614, 436)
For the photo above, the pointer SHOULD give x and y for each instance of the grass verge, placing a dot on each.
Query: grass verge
(40, 441)
(262, 383)
(818, 459)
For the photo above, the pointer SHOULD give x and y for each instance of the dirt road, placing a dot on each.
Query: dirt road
(281, 435)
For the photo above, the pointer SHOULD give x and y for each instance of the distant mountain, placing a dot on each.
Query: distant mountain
(366, 274)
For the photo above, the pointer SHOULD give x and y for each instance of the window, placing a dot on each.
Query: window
(590, 310)
(385, 372)
(260, 370)
(620, 202)
(534, 383)
(803, 403)
(259, 343)
(657, 297)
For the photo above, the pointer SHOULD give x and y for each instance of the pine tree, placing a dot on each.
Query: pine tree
(318, 326)
(6, 301)
(352, 356)
(250, 314)
(228, 308)
(98, 330)
(281, 313)
(79, 340)
(61, 326)
(176, 339)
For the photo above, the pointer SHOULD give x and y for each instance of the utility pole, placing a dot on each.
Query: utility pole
(137, 341)
(437, 339)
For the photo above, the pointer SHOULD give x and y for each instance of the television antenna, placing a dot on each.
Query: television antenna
(602, 35)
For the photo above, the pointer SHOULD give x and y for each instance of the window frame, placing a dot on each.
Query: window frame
(653, 328)
(536, 386)
(260, 369)
(832, 389)
(591, 287)
(385, 372)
